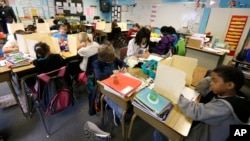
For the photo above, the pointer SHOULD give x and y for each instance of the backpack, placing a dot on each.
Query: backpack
(180, 47)
(54, 92)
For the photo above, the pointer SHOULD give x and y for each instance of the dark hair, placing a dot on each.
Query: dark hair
(114, 25)
(40, 20)
(137, 25)
(106, 53)
(55, 21)
(142, 33)
(172, 30)
(42, 49)
(231, 74)
(31, 28)
(19, 31)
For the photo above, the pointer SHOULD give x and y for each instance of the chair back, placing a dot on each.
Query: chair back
(123, 52)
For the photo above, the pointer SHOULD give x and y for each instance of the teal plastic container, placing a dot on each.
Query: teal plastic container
(149, 68)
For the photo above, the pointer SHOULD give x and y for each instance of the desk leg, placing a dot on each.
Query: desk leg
(102, 109)
(123, 124)
(15, 96)
(131, 125)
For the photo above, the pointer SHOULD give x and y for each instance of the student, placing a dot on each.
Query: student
(138, 46)
(132, 31)
(40, 20)
(63, 37)
(56, 26)
(46, 61)
(31, 29)
(165, 45)
(116, 37)
(107, 65)
(11, 45)
(86, 49)
(7, 15)
(221, 107)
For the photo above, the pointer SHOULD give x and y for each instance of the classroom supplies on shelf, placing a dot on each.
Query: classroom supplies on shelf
(124, 85)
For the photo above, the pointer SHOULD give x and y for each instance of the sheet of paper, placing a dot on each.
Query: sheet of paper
(151, 57)
(189, 93)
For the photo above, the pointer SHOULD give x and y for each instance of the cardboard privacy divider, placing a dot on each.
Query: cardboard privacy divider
(22, 40)
(42, 27)
(12, 27)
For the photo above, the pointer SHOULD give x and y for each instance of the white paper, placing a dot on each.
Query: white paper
(169, 82)
(152, 57)
(21, 43)
(189, 93)
(58, 3)
(31, 43)
(72, 44)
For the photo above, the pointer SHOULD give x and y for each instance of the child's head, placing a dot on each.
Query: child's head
(31, 28)
(226, 80)
(106, 53)
(41, 49)
(142, 36)
(149, 27)
(136, 26)
(19, 31)
(63, 29)
(83, 37)
(114, 24)
(40, 20)
(55, 21)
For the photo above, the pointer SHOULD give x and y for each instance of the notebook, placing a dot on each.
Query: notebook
(153, 100)
(125, 85)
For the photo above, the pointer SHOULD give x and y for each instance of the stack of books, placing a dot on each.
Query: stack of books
(153, 103)
(121, 84)
(16, 59)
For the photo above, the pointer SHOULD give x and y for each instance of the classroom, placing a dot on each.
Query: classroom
(112, 70)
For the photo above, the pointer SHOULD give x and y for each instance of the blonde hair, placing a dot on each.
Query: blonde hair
(83, 37)
(106, 53)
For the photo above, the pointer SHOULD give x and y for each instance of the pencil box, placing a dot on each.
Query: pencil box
(149, 68)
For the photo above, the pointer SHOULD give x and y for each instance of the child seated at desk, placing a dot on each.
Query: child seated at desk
(46, 61)
(11, 45)
(107, 65)
(221, 107)
(167, 42)
(138, 46)
(133, 31)
(63, 37)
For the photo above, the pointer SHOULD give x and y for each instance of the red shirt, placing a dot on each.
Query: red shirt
(131, 32)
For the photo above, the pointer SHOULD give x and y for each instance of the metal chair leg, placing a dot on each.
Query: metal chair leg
(43, 120)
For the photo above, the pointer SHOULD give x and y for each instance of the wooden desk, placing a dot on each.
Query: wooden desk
(207, 59)
(123, 102)
(5, 76)
(175, 127)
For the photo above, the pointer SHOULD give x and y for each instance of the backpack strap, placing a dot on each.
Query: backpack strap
(44, 77)
(62, 71)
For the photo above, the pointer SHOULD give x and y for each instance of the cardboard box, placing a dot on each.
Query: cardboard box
(195, 43)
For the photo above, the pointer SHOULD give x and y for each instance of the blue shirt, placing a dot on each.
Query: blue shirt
(59, 35)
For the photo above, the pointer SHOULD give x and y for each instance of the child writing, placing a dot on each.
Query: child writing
(220, 108)
(63, 37)
(11, 45)
(106, 65)
(138, 46)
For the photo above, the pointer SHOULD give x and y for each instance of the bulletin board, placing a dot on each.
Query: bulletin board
(69, 7)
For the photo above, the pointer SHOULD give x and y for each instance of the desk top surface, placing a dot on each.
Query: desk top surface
(4, 69)
(221, 53)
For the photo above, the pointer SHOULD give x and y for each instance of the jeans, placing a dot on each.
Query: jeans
(118, 110)
(158, 136)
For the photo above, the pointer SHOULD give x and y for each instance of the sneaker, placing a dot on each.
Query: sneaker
(116, 120)
(94, 133)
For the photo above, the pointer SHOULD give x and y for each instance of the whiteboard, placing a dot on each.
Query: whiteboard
(174, 14)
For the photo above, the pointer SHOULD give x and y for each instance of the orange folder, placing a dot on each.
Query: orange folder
(122, 83)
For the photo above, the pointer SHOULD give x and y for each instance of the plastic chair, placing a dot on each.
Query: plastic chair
(123, 52)
(42, 99)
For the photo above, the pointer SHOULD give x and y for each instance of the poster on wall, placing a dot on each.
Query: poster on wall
(69, 7)
(234, 32)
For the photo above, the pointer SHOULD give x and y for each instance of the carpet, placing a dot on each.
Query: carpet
(7, 101)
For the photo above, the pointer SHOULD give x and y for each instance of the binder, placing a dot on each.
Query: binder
(158, 105)
(125, 85)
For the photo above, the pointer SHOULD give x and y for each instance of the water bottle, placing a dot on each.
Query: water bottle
(216, 40)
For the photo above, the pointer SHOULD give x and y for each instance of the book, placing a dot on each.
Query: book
(154, 101)
(122, 83)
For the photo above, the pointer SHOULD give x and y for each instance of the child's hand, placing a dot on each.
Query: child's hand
(123, 70)
(115, 71)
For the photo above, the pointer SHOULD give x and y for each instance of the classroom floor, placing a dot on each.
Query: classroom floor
(65, 126)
